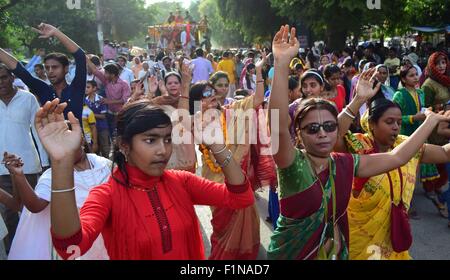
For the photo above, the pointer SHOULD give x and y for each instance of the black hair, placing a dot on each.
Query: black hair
(95, 60)
(39, 65)
(196, 95)
(4, 67)
(112, 69)
(361, 64)
(293, 82)
(217, 76)
(311, 104)
(199, 52)
(348, 50)
(330, 70)
(93, 83)
(60, 57)
(248, 79)
(122, 57)
(242, 92)
(135, 118)
(377, 108)
(404, 72)
(170, 74)
(313, 73)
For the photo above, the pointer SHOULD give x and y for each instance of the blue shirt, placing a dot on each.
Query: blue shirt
(98, 109)
(73, 94)
(203, 68)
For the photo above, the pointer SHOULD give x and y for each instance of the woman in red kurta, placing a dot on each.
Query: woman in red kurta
(144, 211)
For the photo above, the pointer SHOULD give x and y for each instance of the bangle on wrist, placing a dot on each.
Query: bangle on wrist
(349, 114)
(64, 191)
(221, 151)
(411, 119)
(350, 110)
(226, 162)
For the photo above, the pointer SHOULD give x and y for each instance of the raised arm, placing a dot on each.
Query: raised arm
(24, 191)
(259, 94)
(11, 202)
(186, 79)
(375, 164)
(46, 31)
(364, 91)
(284, 49)
(7, 59)
(204, 124)
(62, 146)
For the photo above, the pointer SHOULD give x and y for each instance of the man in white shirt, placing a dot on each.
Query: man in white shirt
(144, 74)
(17, 113)
(39, 72)
(126, 74)
(202, 67)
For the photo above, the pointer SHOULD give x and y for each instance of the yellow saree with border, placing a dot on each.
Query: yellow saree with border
(369, 212)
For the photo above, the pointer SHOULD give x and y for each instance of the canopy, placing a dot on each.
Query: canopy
(427, 29)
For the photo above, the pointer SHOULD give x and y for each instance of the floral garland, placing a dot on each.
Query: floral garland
(205, 151)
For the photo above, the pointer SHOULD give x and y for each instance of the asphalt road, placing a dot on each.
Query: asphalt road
(431, 236)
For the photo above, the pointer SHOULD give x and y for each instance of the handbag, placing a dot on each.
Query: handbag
(401, 237)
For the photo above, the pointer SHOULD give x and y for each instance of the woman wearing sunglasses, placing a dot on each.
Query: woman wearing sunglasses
(227, 242)
(315, 184)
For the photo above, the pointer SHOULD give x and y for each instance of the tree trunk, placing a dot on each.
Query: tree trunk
(336, 38)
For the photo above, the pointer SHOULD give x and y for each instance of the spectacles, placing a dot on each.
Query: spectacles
(314, 128)
(208, 93)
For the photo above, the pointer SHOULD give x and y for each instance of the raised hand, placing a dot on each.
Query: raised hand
(440, 117)
(162, 88)
(444, 127)
(45, 30)
(59, 142)
(152, 84)
(260, 64)
(283, 47)
(138, 92)
(208, 128)
(186, 75)
(13, 163)
(364, 88)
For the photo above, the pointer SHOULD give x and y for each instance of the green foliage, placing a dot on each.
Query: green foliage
(122, 21)
(223, 35)
(256, 20)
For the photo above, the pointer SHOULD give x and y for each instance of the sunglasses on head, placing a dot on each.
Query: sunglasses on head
(208, 93)
(314, 128)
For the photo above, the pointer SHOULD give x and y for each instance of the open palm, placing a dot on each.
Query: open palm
(260, 64)
(364, 88)
(59, 142)
(45, 30)
(285, 47)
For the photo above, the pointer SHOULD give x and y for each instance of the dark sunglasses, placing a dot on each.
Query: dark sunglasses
(314, 128)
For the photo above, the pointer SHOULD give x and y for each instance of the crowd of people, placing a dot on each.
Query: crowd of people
(100, 160)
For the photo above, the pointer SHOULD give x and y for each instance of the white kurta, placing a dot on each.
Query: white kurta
(33, 239)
